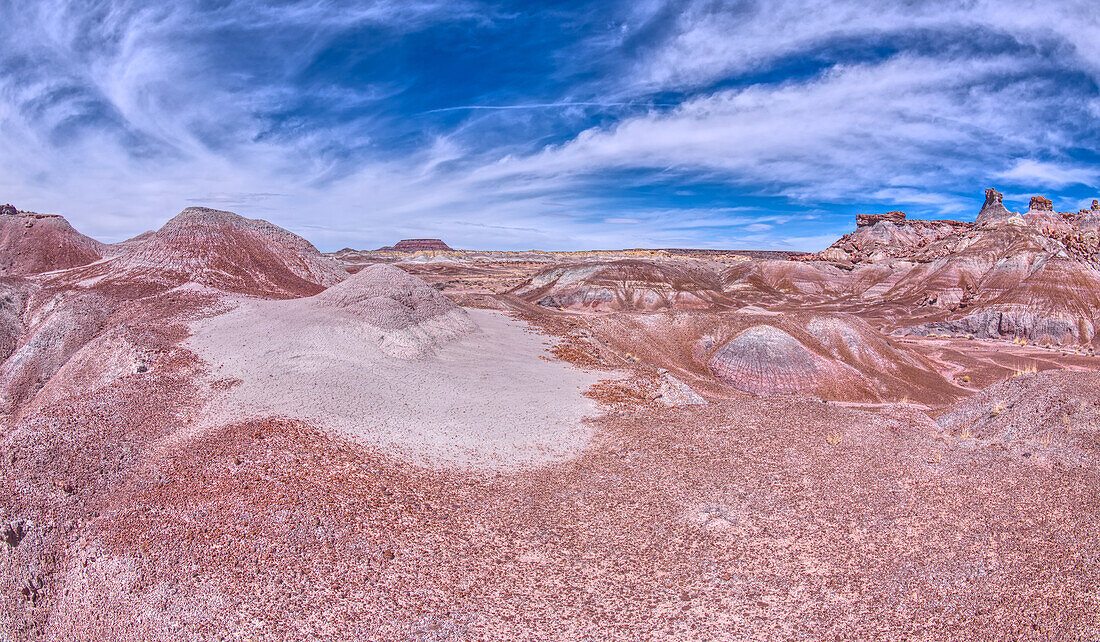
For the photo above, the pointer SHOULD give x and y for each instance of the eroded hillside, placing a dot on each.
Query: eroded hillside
(214, 431)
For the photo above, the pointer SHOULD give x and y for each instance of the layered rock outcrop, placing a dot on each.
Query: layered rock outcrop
(1041, 204)
(993, 210)
(624, 285)
(866, 220)
(880, 237)
(1034, 276)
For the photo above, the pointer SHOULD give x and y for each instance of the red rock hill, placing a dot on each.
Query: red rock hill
(221, 250)
(31, 243)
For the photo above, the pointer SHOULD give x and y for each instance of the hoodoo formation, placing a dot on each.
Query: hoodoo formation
(213, 430)
(994, 209)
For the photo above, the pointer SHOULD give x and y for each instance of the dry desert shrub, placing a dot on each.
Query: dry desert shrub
(1032, 369)
(833, 437)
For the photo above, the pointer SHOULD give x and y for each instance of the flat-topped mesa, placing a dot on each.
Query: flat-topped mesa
(421, 245)
(866, 220)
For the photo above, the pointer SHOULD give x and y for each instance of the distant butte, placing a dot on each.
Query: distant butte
(419, 245)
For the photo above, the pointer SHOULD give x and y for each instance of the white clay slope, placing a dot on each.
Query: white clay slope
(425, 381)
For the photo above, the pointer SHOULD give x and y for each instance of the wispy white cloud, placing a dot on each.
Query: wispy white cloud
(944, 203)
(119, 113)
(558, 105)
(1049, 175)
(851, 133)
(706, 40)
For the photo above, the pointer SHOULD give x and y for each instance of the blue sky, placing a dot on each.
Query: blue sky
(555, 125)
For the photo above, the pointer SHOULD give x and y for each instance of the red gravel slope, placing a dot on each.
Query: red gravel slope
(32, 243)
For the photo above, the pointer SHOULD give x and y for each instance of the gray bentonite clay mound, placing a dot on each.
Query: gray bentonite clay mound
(387, 297)
(407, 317)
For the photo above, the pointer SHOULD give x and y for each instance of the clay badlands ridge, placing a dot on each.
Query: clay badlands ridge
(214, 431)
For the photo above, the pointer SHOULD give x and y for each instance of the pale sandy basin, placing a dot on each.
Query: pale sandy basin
(494, 399)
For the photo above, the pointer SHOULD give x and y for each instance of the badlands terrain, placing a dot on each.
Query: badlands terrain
(214, 431)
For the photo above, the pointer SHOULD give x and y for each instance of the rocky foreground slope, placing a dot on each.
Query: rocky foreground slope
(213, 431)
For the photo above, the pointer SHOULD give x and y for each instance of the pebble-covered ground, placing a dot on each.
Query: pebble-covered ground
(744, 518)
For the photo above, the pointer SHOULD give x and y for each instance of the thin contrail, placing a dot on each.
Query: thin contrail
(541, 106)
